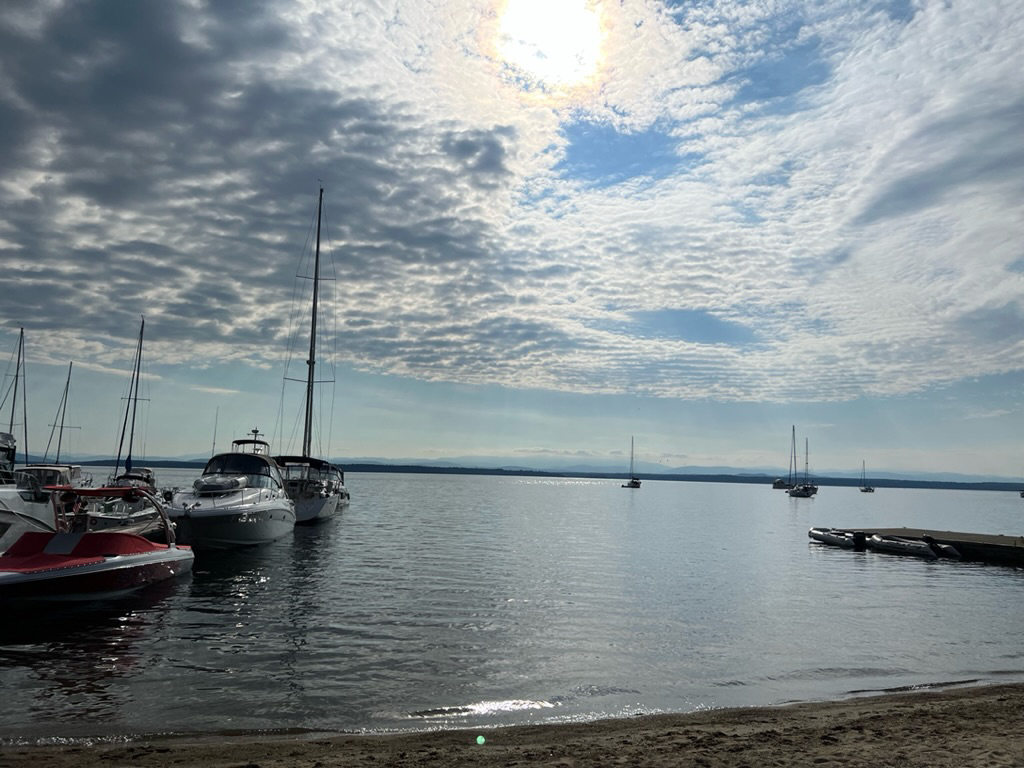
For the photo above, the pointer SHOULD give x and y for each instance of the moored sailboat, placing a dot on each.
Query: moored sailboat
(805, 488)
(864, 487)
(316, 486)
(634, 481)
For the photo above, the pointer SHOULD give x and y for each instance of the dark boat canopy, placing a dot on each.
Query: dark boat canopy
(242, 464)
(305, 461)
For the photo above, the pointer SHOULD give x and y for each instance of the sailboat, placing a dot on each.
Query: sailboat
(634, 481)
(804, 489)
(864, 487)
(132, 475)
(786, 484)
(316, 486)
(48, 473)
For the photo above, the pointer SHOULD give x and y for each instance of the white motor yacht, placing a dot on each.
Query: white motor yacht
(239, 501)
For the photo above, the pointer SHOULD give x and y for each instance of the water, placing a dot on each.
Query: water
(472, 601)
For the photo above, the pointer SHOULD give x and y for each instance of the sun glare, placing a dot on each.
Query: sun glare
(552, 42)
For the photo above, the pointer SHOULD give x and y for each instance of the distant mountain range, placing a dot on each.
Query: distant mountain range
(569, 467)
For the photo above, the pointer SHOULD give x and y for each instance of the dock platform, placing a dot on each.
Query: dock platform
(980, 547)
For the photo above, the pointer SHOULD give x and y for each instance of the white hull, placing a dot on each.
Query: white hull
(243, 518)
(318, 508)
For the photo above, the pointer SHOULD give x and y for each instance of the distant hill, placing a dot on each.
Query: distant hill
(645, 470)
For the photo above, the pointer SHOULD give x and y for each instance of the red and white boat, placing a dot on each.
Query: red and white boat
(74, 562)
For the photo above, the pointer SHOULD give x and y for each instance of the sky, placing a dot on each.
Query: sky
(549, 226)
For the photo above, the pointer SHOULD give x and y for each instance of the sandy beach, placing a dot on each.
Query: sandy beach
(973, 726)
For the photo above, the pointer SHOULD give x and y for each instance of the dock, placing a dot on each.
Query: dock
(992, 548)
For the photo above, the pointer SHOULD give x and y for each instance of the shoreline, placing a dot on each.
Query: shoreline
(973, 725)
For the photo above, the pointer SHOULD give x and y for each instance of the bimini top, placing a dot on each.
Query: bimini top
(305, 461)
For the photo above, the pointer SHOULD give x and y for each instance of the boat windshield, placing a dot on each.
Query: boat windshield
(48, 475)
(260, 472)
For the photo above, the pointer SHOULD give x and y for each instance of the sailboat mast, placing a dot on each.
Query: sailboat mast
(63, 411)
(19, 373)
(307, 432)
(792, 458)
(807, 461)
(133, 396)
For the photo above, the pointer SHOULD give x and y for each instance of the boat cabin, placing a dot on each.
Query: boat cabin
(259, 469)
(54, 474)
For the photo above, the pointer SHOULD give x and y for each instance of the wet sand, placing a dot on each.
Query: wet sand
(973, 726)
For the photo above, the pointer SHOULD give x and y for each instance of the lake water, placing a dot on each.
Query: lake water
(441, 601)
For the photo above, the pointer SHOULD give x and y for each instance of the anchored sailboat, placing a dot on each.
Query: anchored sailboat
(634, 481)
(804, 489)
(864, 487)
(315, 485)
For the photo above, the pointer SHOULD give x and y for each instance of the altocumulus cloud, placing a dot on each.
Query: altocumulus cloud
(834, 184)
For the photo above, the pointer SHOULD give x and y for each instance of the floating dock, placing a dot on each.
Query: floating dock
(980, 547)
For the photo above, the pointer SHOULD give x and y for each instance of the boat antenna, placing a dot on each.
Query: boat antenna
(216, 416)
(307, 432)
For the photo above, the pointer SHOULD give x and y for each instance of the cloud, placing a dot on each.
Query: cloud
(829, 180)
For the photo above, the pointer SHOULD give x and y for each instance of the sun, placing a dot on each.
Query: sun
(554, 43)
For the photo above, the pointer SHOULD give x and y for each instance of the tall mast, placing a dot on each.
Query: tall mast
(307, 432)
(62, 410)
(19, 373)
(133, 396)
(792, 459)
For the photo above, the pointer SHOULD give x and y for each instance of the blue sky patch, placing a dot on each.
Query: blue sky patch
(782, 74)
(696, 325)
(597, 152)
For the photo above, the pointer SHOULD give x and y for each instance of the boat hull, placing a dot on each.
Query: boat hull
(833, 537)
(232, 521)
(926, 548)
(316, 509)
(803, 491)
(91, 579)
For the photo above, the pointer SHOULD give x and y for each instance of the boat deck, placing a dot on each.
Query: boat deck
(980, 547)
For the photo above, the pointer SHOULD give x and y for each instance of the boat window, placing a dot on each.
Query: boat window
(237, 464)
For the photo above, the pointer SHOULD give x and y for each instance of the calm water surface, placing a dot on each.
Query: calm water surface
(467, 601)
